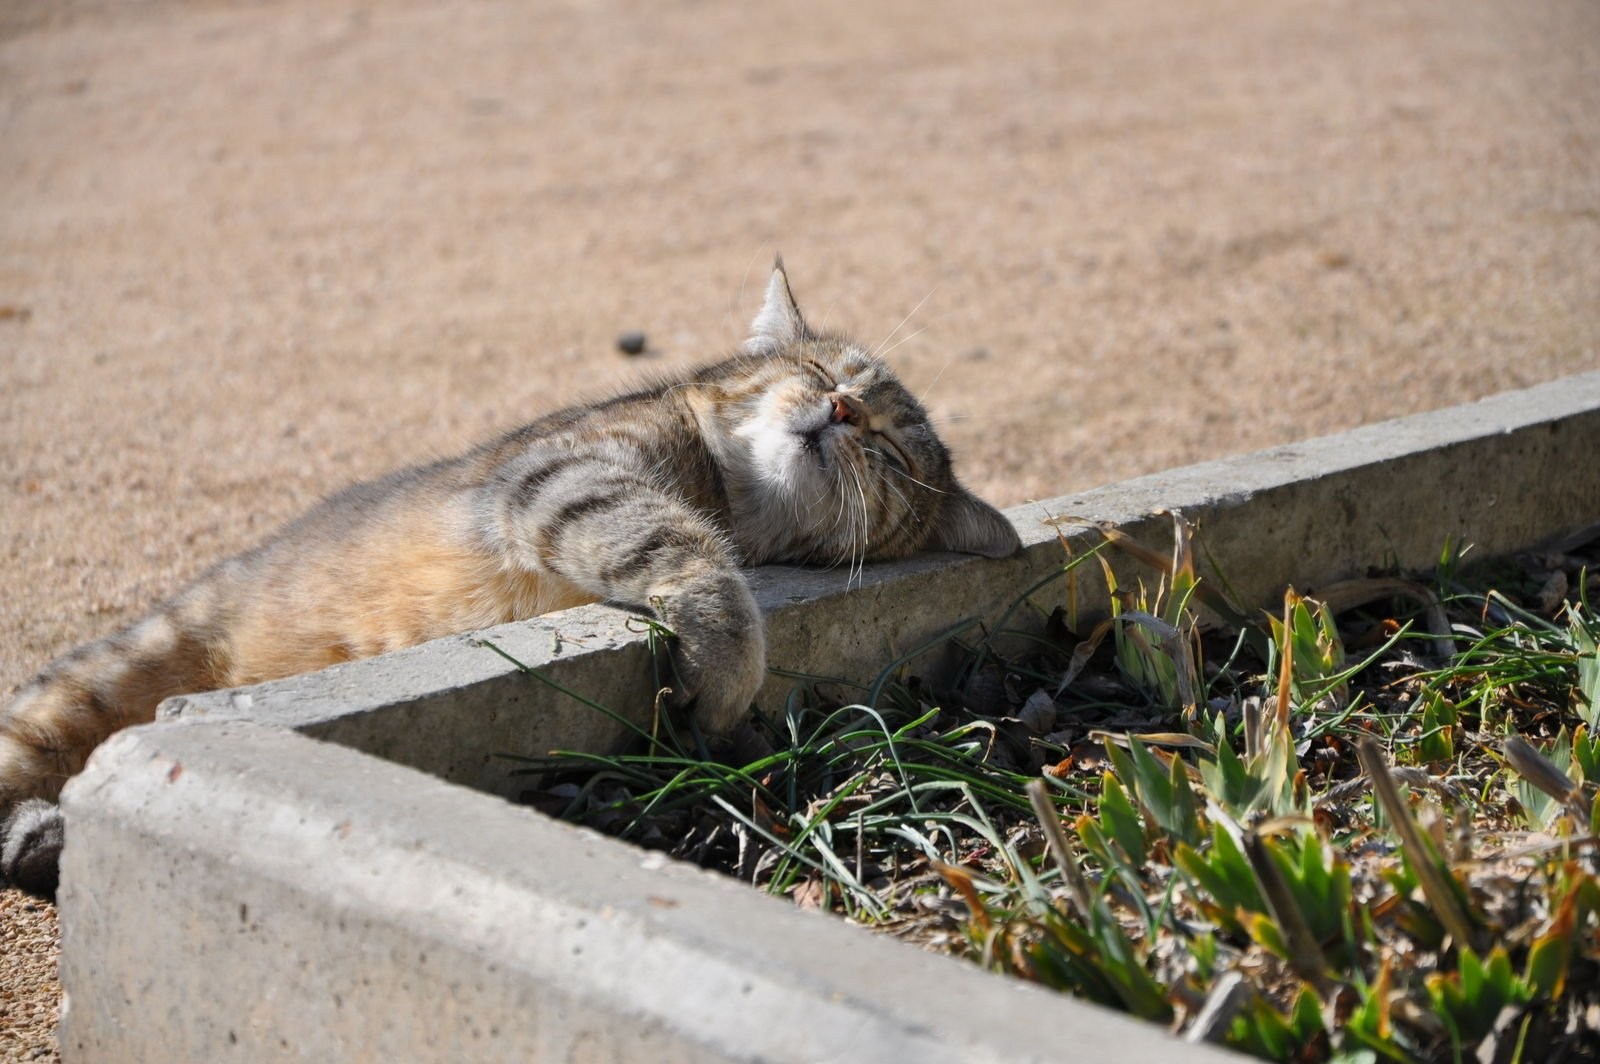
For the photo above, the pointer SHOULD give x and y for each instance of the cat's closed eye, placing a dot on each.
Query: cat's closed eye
(890, 451)
(824, 378)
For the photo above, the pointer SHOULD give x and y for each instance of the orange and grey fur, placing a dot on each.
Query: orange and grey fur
(801, 447)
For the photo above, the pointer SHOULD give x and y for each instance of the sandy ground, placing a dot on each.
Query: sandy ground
(249, 253)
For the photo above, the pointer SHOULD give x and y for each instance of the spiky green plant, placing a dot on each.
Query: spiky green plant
(1310, 866)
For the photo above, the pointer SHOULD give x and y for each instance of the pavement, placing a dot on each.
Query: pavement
(254, 252)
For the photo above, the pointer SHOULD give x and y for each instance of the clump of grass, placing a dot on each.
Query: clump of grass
(1364, 829)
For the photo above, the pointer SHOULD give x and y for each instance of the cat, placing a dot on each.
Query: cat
(802, 448)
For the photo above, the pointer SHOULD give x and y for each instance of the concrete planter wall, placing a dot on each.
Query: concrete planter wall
(321, 867)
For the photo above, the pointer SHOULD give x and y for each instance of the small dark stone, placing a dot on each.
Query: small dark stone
(631, 343)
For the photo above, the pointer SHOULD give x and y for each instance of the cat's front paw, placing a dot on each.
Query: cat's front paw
(720, 654)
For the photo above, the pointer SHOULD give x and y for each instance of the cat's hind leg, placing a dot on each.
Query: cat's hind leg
(54, 723)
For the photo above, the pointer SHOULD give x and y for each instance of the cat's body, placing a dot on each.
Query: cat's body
(801, 448)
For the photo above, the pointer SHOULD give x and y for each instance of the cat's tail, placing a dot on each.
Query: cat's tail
(30, 847)
(50, 728)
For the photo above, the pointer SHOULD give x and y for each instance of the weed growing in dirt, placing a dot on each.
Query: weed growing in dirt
(1363, 829)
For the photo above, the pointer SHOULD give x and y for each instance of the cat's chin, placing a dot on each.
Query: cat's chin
(820, 462)
(787, 462)
(815, 452)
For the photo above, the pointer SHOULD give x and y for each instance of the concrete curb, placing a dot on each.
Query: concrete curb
(232, 888)
(277, 897)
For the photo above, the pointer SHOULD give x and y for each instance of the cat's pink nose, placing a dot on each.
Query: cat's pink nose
(846, 410)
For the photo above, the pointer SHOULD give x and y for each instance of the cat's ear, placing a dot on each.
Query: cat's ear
(968, 524)
(779, 321)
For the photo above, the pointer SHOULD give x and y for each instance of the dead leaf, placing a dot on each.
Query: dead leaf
(1038, 712)
(961, 882)
(812, 894)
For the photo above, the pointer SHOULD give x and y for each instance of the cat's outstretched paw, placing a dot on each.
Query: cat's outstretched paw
(720, 655)
(30, 847)
(723, 692)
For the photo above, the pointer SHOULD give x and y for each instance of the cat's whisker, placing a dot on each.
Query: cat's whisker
(902, 473)
(861, 556)
(826, 315)
(923, 396)
(734, 314)
(905, 340)
(903, 321)
(844, 499)
(892, 486)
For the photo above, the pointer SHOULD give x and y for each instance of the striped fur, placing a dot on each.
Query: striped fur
(799, 448)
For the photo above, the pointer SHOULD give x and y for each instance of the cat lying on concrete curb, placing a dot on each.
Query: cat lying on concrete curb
(800, 448)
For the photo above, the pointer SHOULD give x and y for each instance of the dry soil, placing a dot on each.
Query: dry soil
(252, 252)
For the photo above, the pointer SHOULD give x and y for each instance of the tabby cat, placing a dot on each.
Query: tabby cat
(802, 447)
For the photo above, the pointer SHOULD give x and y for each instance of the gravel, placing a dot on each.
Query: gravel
(1175, 234)
(30, 943)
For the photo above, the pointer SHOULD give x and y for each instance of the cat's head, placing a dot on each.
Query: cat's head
(842, 460)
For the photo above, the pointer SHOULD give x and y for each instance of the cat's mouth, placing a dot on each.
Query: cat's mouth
(811, 443)
(818, 437)
(821, 441)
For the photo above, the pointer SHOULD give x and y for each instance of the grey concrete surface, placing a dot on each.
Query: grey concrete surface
(243, 879)
(279, 897)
